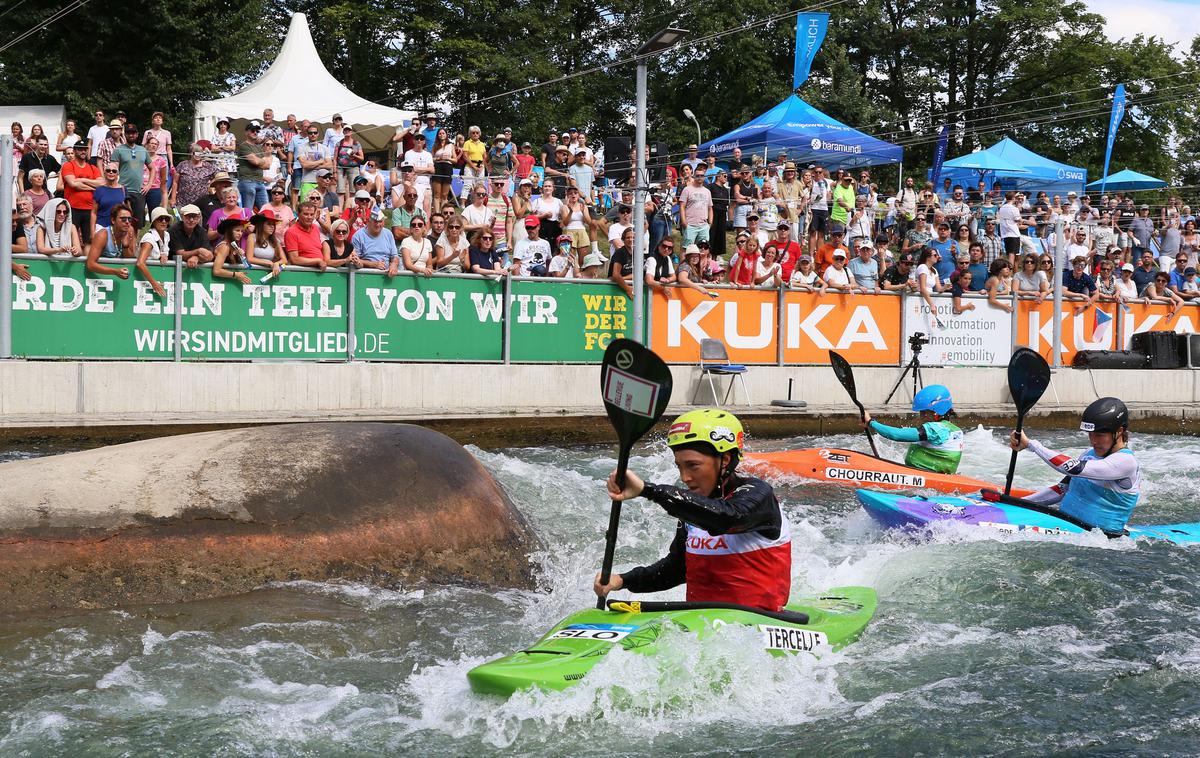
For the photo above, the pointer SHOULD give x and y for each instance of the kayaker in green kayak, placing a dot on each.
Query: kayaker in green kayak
(937, 442)
(733, 543)
(1102, 486)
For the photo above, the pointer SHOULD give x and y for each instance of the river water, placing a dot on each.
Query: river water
(984, 644)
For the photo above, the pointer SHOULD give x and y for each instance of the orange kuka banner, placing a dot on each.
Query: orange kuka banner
(1155, 317)
(1095, 328)
(864, 328)
(745, 320)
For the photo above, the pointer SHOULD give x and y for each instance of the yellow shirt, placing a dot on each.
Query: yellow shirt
(475, 150)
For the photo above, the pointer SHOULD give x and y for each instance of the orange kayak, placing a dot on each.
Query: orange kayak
(851, 468)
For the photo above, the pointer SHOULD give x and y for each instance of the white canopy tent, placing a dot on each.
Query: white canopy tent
(297, 82)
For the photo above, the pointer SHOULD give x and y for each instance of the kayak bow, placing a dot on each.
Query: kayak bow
(851, 468)
(566, 653)
(914, 511)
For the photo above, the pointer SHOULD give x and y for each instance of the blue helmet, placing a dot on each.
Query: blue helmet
(935, 397)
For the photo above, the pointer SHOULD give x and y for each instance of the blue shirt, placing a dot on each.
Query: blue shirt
(1080, 285)
(294, 145)
(945, 267)
(979, 276)
(865, 273)
(379, 248)
(1177, 279)
(1142, 277)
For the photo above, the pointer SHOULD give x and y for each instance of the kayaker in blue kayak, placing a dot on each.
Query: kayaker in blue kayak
(1100, 487)
(937, 442)
(733, 543)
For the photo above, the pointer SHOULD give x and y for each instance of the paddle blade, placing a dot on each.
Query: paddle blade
(1028, 378)
(636, 387)
(844, 374)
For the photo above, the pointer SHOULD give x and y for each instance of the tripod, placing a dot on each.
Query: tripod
(914, 366)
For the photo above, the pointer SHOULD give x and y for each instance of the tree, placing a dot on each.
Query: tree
(148, 55)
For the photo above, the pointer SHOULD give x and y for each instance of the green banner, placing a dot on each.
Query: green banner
(297, 315)
(62, 313)
(417, 318)
(565, 322)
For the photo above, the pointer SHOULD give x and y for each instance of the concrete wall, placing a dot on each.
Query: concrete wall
(34, 393)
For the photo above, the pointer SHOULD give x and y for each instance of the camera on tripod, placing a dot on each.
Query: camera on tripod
(918, 341)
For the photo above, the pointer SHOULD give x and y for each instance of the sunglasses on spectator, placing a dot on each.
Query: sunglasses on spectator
(312, 132)
(341, 230)
(418, 224)
(110, 171)
(124, 218)
(60, 212)
(454, 226)
(485, 239)
(276, 192)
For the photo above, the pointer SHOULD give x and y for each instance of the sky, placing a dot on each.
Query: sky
(1175, 21)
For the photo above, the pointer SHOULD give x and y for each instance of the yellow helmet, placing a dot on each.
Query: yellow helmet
(718, 428)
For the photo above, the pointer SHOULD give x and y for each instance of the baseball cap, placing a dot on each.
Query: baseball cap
(526, 144)
(532, 222)
(1124, 266)
(362, 195)
(865, 244)
(943, 223)
(1145, 208)
(406, 166)
(906, 258)
(324, 172)
(751, 215)
(563, 238)
(784, 225)
(1189, 270)
(254, 125)
(189, 210)
(839, 253)
(805, 257)
(525, 181)
(361, 180)
(837, 229)
(377, 214)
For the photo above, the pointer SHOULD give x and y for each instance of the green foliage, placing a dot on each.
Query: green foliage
(140, 56)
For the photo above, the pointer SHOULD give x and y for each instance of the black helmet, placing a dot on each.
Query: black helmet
(1108, 414)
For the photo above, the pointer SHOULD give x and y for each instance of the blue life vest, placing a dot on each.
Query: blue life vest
(1103, 504)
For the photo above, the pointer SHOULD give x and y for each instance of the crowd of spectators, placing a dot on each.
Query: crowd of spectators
(294, 193)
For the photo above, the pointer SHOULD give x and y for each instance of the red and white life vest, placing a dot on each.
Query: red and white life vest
(745, 568)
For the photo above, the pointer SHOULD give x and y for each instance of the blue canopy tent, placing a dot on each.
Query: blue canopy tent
(1127, 181)
(807, 136)
(1035, 173)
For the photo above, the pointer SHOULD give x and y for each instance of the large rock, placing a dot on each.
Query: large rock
(217, 513)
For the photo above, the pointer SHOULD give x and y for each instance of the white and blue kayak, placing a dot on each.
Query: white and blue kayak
(901, 511)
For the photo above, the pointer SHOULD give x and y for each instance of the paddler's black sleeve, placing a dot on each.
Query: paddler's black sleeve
(663, 574)
(750, 507)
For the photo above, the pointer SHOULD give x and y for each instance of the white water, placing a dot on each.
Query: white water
(984, 643)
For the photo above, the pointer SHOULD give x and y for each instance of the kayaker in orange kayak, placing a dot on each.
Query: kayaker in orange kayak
(937, 444)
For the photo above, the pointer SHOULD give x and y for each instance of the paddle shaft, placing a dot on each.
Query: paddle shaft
(614, 521)
(862, 414)
(1012, 460)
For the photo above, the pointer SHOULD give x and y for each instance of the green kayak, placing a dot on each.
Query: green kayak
(566, 653)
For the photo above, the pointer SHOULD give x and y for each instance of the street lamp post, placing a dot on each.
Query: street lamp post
(687, 112)
(664, 40)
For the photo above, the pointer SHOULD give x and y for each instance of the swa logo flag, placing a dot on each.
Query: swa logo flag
(1101, 327)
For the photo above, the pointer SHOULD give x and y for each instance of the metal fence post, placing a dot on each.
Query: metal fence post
(506, 316)
(779, 325)
(350, 330)
(178, 347)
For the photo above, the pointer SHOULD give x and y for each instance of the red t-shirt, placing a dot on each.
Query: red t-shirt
(743, 271)
(524, 165)
(306, 243)
(789, 256)
(79, 199)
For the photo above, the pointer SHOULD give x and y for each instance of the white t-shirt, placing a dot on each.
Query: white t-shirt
(96, 134)
(1127, 289)
(761, 270)
(158, 245)
(931, 276)
(421, 253)
(552, 205)
(560, 263)
(532, 253)
(842, 278)
(1008, 217)
(447, 246)
(799, 278)
(1074, 249)
(419, 159)
(475, 215)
